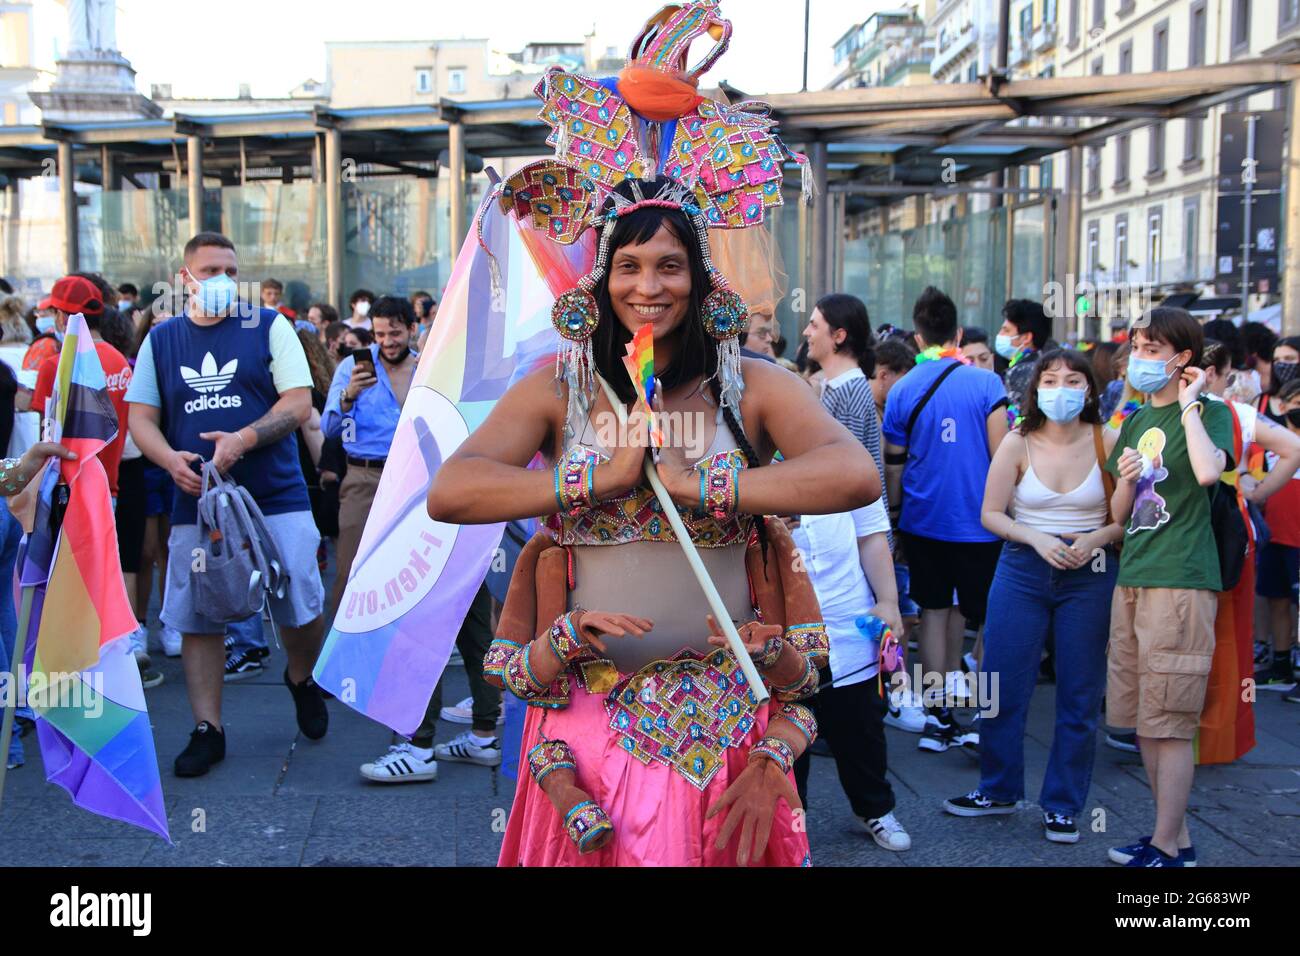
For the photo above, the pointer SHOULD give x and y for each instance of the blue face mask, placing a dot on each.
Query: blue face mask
(1148, 375)
(217, 294)
(1062, 404)
(1002, 345)
(44, 323)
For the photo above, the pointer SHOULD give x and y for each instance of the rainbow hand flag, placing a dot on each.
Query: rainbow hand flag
(83, 682)
(640, 365)
(414, 578)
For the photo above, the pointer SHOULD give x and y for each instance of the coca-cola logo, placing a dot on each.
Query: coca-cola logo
(119, 381)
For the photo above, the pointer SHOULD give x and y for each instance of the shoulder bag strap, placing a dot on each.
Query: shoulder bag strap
(925, 399)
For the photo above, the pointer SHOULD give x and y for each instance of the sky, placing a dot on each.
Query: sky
(206, 48)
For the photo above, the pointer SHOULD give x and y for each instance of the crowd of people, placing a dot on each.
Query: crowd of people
(1045, 513)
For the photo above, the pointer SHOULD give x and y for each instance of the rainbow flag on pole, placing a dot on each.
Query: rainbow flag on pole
(83, 682)
(414, 579)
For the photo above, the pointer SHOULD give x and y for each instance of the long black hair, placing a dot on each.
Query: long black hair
(1034, 418)
(848, 312)
(696, 354)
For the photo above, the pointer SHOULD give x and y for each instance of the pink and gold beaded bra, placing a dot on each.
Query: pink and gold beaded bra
(723, 166)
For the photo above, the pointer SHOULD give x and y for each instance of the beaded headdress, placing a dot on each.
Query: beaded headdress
(721, 165)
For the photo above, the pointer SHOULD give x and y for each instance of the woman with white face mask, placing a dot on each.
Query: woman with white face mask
(1047, 496)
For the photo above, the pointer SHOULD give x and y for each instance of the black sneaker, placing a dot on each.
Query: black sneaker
(1294, 696)
(309, 705)
(1276, 678)
(976, 804)
(243, 665)
(1127, 742)
(207, 746)
(941, 731)
(1059, 828)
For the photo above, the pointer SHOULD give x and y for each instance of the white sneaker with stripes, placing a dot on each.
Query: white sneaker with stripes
(467, 748)
(402, 764)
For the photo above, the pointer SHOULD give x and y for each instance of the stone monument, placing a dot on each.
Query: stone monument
(94, 81)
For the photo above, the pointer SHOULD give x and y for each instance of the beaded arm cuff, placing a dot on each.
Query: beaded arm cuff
(801, 717)
(494, 661)
(549, 756)
(587, 825)
(811, 641)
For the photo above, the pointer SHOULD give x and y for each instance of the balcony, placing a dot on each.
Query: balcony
(1019, 53)
(1044, 37)
(948, 55)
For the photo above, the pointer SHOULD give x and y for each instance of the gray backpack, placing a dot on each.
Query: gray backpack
(241, 563)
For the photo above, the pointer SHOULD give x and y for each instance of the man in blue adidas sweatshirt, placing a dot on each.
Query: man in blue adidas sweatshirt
(227, 381)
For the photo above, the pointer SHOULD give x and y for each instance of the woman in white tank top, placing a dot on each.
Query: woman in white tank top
(1047, 498)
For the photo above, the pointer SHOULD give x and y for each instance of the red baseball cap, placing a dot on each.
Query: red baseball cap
(73, 294)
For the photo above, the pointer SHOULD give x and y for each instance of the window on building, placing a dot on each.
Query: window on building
(1120, 270)
(1074, 22)
(1156, 148)
(1045, 174)
(973, 72)
(1098, 12)
(1094, 249)
(1196, 35)
(1288, 14)
(1126, 58)
(1160, 47)
(1122, 150)
(1240, 26)
(456, 81)
(1049, 12)
(1154, 217)
(1191, 225)
(1094, 170)
(1193, 129)
(1026, 22)
(1098, 66)
(423, 80)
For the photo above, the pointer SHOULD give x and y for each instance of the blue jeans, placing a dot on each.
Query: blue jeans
(1028, 599)
(248, 634)
(11, 533)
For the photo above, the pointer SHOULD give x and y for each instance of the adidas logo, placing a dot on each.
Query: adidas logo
(208, 381)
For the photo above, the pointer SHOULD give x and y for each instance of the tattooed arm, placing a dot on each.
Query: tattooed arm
(285, 417)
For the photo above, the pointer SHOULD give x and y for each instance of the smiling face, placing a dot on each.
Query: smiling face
(393, 337)
(651, 283)
(822, 339)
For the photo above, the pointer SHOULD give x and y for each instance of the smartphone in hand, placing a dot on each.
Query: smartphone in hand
(363, 358)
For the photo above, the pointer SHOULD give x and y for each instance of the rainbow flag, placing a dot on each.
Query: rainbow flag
(414, 579)
(640, 365)
(83, 682)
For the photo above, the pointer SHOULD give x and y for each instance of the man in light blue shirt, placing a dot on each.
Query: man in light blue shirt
(364, 404)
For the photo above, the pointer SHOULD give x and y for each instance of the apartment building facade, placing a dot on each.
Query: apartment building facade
(1150, 195)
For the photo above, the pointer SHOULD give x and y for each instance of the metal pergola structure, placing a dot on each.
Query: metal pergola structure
(882, 142)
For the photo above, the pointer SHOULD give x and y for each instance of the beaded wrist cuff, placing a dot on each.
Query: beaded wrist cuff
(549, 756)
(719, 491)
(575, 485)
(776, 750)
(588, 826)
(564, 638)
(810, 640)
(805, 686)
(801, 717)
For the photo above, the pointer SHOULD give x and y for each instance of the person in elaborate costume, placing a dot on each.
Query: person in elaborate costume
(645, 742)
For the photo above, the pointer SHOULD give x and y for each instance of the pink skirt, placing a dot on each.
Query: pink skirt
(658, 815)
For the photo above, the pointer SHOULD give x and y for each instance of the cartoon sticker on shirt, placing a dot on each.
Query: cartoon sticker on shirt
(1149, 510)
